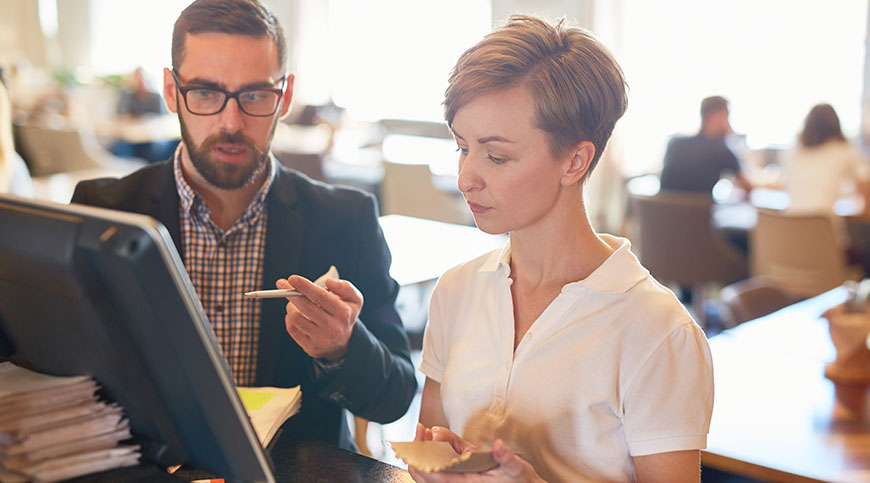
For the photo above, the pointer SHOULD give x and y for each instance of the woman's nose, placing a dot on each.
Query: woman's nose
(469, 179)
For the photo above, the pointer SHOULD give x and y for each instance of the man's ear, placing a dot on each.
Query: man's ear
(287, 97)
(169, 91)
(579, 163)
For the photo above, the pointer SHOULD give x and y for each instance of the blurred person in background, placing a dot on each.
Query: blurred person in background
(820, 170)
(137, 101)
(696, 163)
(14, 176)
(823, 163)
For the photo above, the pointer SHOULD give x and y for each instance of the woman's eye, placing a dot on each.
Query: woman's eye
(495, 159)
(461, 149)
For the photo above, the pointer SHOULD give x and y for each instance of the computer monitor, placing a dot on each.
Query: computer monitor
(89, 291)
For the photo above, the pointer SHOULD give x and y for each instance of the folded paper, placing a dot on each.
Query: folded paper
(431, 456)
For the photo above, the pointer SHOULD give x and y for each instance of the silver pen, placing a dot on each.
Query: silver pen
(281, 293)
(272, 294)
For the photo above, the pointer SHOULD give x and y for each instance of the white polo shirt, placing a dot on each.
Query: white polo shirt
(815, 177)
(614, 367)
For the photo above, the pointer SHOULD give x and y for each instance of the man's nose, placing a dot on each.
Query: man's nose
(232, 117)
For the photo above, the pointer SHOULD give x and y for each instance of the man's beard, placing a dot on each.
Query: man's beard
(222, 175)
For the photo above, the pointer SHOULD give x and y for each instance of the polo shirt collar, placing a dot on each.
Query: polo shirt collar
(498, 260)
(618, 274)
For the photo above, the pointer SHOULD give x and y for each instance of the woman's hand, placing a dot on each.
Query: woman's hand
(511, 468)
(440, 433)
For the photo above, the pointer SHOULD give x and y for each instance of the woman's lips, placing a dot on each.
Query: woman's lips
(475, 208)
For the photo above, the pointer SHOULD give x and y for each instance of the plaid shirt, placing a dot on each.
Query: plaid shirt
(222, 265)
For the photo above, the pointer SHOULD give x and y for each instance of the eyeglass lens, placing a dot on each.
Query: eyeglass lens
(253, 102)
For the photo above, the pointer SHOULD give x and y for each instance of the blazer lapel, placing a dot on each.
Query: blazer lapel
(284, 231)
(164, 205)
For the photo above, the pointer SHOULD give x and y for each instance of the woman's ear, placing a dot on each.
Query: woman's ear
(579, 163)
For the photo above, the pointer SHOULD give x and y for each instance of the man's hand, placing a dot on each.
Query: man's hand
(321, 321)
(511, 468)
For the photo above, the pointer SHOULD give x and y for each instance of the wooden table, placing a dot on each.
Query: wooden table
(776, 417)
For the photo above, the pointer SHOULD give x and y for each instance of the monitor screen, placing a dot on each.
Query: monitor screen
(88, 291)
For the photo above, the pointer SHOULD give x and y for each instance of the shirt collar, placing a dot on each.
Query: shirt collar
(191, 200)
(619, 273)
(498, 261)
(185, 192)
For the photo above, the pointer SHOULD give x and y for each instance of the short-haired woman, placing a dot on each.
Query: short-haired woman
(559, 351)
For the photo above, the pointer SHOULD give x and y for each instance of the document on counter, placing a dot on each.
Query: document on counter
(54, 428)
(269, 408)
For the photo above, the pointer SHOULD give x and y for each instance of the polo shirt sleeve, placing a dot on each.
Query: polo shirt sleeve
(669, 402)
(435, 337)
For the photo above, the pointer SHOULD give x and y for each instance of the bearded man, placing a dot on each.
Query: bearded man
(241, 221)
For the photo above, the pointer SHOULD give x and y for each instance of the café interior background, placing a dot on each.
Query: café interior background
(389, 59)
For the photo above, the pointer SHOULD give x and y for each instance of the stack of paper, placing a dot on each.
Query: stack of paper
(54, 428)
(269, 407)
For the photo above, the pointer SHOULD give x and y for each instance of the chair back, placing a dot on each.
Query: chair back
(753, 298)
(407, 189)
(800, 252)
(677, 243)
(310, 164)
(51, 151)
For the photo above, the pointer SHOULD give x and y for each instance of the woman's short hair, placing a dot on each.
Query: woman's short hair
(820, 126)
(234, 17)
(578, 89)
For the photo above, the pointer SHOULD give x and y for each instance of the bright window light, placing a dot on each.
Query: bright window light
(144, 39)
(773, 60)
(391, 58)
(48, 17)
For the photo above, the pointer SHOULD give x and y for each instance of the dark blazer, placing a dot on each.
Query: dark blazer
(310, 226)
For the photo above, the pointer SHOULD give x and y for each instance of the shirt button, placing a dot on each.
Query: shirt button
(528, 336)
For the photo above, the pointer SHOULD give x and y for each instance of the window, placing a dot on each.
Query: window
(125, 35)
(387, 58)
(772, 60)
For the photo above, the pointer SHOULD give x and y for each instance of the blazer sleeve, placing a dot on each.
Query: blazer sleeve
(376, 380)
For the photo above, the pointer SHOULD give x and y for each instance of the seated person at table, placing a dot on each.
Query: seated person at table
(241, 222)
(696, 163)
(138, 101)
(822, 162)
(560, 346)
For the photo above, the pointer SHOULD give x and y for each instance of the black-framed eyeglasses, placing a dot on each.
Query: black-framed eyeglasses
(208, 101)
